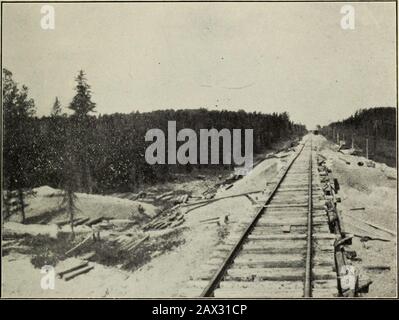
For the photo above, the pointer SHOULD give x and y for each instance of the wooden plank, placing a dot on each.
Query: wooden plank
(80, 244)
(281, 220)
(249, 293)
(265, 244)
(270, 260)
(278, 237)
(270, 250)
(73, 268)
(137, 244)
(263, 285)
(81, 221)
(78, 272)
(88, 255)
(298, 205)
(94, 221)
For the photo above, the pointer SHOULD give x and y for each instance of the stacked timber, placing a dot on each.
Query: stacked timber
(181, 199)
(128, 244)
(165, 196)
(167, 219)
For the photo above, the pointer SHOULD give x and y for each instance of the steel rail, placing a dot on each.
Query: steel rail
(308, 266)
(214, 282)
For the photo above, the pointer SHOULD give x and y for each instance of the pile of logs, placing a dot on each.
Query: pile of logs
(168, 196)
(165, 196)
(128, 244)
(169, 219)
(180, 199)
(210, 192)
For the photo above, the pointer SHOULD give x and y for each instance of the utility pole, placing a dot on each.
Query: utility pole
(376, 123)
(367, 148)
(353, 143)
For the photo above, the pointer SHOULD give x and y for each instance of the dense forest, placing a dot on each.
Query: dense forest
(87, 152)
(371, 131)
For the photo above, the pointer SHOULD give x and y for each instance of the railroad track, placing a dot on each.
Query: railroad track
(286, 250)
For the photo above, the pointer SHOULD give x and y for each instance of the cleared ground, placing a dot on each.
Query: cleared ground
(169, 269)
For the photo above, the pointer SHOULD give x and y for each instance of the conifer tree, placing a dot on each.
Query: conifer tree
(57, 109)
(18, 148)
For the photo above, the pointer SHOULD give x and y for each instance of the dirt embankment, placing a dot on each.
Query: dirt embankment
(369, 210)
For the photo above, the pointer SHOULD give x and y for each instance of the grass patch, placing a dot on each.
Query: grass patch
(45, 250)
(109, 254)
(49, 251)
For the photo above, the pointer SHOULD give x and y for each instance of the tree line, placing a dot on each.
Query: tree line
(85, 152)
(372, 130)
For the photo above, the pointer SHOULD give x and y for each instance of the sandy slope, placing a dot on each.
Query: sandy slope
(375, 190)
(164, 275)
(45, 207)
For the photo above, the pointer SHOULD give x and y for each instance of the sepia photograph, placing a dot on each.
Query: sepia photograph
(199, 149)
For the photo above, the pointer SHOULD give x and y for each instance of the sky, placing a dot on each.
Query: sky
(265, 57)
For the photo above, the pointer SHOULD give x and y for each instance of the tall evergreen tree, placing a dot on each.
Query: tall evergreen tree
(18, 147)
(81, 103)
(57, 109)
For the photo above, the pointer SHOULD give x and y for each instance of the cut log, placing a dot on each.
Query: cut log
(127, 244)
(209, 219)
(88, 255)
(77, 273)
(206, 202)
(94, 221)
(81, 221)
(164, 195)
(138, 243)
(377, 267)
(73, 268)
(177, 223)
(364, 238)
(79, 245)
